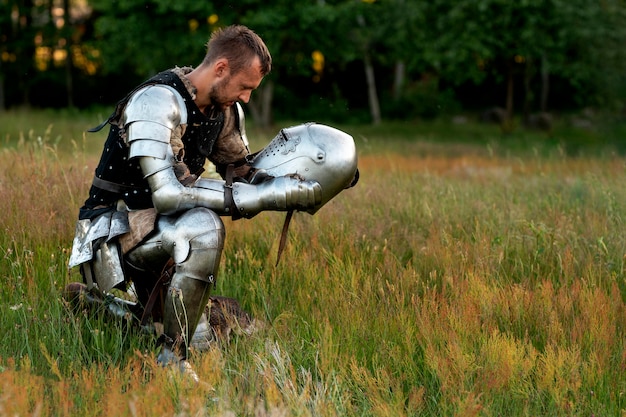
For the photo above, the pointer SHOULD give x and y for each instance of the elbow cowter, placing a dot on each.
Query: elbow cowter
(167, 197)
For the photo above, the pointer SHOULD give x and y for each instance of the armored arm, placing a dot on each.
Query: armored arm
(155, 115)
(276, 194)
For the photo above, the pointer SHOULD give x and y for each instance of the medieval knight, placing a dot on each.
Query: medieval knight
(151, 216)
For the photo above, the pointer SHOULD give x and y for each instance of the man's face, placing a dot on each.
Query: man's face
(229, 88)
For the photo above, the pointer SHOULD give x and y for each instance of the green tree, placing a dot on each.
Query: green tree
(371, 33)
(145, 37)
(39, 41)
(472, 39)
(279, 25)
(18, 46)
(592, 54)
(141, 37)
(5, 54)
(342, 58)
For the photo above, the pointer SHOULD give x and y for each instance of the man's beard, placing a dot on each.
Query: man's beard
(216, 96)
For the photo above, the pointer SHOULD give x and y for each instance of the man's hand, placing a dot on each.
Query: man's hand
(301, 195)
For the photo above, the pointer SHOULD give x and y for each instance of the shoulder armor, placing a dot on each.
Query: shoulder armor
(156, 103)
(149, 118)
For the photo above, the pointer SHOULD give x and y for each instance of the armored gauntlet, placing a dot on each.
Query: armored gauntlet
(276, 194)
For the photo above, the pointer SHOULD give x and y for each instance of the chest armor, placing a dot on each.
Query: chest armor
(124, 175)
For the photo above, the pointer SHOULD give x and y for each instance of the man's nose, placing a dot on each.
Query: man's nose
(245, 96)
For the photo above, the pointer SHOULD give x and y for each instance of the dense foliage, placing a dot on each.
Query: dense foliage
(339, 60)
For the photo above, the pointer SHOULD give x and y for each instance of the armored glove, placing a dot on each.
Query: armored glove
(276, 194)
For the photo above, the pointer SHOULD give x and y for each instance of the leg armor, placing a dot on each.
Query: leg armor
(194, 240)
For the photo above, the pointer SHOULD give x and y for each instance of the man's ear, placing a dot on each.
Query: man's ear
(221, 67)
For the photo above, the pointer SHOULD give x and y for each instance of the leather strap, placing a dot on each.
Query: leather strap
(164, 279)
(100, 126)
(112, 187)
(229, 202)
(283, 235)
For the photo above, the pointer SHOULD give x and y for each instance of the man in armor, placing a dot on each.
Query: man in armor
(150, 218)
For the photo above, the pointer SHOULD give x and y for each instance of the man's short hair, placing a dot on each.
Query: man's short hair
(239, 45)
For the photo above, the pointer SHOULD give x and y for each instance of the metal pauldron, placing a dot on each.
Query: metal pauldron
(149, 118)
(156, 103)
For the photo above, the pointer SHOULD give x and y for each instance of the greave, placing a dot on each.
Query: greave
(189, 289)
(185, 301)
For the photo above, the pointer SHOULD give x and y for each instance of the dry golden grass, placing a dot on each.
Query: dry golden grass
(468, 284)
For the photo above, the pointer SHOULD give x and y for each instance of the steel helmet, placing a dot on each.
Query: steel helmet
(314, 152)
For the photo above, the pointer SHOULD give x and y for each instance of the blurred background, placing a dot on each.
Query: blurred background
(348, 61)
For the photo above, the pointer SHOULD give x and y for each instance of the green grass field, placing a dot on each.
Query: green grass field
(467, 274)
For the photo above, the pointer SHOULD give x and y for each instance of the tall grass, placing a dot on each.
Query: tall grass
(460, 277)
